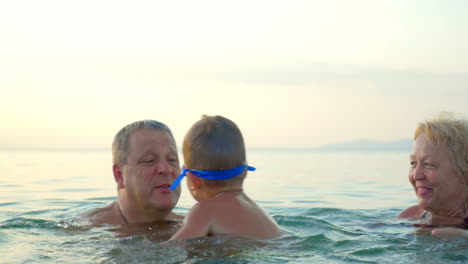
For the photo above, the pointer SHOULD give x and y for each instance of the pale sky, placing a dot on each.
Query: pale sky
(291, 74)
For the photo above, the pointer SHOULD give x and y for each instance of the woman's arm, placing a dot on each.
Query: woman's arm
(447, 232)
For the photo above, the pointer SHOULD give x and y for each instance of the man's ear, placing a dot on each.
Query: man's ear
(196, 181)
(118, 176)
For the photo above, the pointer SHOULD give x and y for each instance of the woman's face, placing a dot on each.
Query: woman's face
(434, 179)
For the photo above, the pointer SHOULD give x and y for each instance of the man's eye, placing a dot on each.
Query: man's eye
(428, 165)
(148, 161)
(413, 164)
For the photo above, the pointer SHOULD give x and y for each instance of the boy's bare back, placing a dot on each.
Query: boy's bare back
(231, 212)
(215, 166)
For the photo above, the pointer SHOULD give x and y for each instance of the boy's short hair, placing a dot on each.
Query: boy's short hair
(215, 143)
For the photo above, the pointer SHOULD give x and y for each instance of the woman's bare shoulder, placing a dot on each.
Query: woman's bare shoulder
(411, 212)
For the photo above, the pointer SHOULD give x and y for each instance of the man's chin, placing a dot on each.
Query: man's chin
(164, 205)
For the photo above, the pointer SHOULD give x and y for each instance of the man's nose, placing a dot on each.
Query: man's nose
(163, 168)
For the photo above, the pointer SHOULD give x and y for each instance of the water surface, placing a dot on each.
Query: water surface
(335, 207)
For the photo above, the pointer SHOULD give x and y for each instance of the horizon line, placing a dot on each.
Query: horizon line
(253, 149)
(342, 146)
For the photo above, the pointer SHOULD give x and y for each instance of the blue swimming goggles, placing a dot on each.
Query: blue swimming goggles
(211, 175)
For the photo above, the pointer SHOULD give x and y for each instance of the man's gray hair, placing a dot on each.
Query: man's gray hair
(120, 145)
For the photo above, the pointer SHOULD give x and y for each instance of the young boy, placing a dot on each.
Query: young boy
(215, 166)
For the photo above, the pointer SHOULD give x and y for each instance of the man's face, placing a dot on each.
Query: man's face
(152, 165)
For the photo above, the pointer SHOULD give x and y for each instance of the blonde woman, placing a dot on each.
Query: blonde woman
(439, 175)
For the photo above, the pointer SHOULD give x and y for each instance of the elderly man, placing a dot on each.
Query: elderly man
(145, 163)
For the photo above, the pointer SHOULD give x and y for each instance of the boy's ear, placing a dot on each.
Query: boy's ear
(118, 176)
(196, 181)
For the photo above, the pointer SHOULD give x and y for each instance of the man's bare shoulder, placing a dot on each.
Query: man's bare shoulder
(411, 212)
(102, 216)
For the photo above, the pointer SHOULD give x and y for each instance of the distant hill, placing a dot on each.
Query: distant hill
(369, 145)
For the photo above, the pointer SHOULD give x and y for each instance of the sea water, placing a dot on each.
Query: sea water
(334, 207)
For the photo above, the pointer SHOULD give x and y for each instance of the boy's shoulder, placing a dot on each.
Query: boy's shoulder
(221, 203)
(228, 213)
(230, 197)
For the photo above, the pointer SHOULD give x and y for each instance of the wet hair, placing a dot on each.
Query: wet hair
(451, 131)
(215, 143)
(121, 143)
